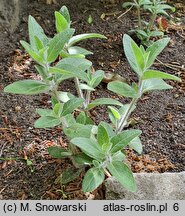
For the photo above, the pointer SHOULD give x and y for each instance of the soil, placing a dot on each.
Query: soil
(160, 115)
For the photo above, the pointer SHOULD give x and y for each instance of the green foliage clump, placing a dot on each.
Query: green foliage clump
(99, 147)
(146, 30)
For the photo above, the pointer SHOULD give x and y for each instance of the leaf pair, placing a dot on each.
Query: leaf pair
(51, 118)
(140, 61)
(106, 150)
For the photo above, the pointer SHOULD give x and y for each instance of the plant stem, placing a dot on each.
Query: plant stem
(77, 84)
(88, 96)
(139, 18)
(152, 20)
(123, 120)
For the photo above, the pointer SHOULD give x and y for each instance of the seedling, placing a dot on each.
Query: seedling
(99, 147)
(147, 30)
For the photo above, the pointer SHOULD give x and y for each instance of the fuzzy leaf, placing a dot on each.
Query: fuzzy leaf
(155, 49)
(136, 145)
(58, 152)
(133, 54)
(92, 179)
(155, 84)
(78, 130)
(34, 54)
(86, 87)
(89, 147)
(71, 105)
(74, 50)
(104, 101)
(60, 22)
(65, 13)
(47, 122)
(27, 87)
(36, 30)
(77, 38)
(97, 78)
(82, 159)
(123, 174)
(45, 112)
(158, 74)
(70, 175)
(122, 89)
(102, 136)
(122, 139)
(57, 43)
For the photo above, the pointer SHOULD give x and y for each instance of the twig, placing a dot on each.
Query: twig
(125, 12)
(174, 67)
(1, 152)
(3, 189)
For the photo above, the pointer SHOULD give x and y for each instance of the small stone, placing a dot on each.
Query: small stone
(150, 186)
(176, 95)
(17, 108)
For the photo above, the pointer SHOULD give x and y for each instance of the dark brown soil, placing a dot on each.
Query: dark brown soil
(160, 115)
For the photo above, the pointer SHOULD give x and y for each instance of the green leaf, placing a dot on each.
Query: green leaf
(92, 179)
(154, 84)
(57, 43)
(76, 66)
(58, 152)
(27, 87)
(45, 112)
(74, 50)
(77, 38)
(123, 174)
(136, 145)
(114, 112)
(108, 128)
(64, 96)
(155, 49)
(71, 105)
(90, 19)
(60, 22)
(133, 54)
(47, 122)
(118, 156)
(65, 13)
(81, 118)
(82, 159)
(70, 175)
(104, 101)
(102, 136)
(97, 77)
(122, 139)
(62, 74)
(35, 56)
(138, 56)
(78, 130)
(89, 147)
(36, 30)
(29, 162)
(42, 71)
(156, 33)
(38, 43)
(68, 120)
(158, 74)
(124, 109)
(86, 87)
(122, 89)
(58, 108)
(142, 32)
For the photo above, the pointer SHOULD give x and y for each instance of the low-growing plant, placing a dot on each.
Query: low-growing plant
(100, 148)
(147, 30)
